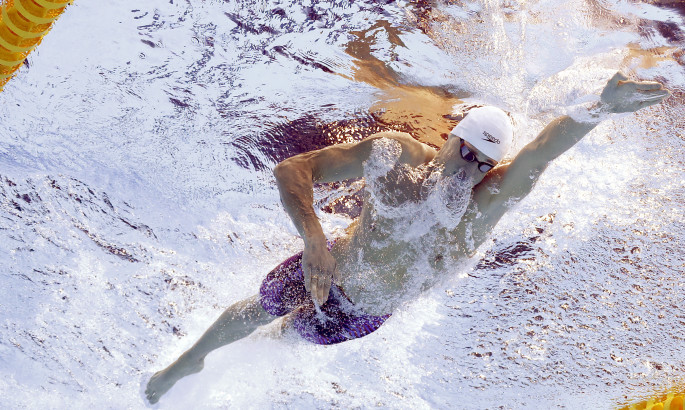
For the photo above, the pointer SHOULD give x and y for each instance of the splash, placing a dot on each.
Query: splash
(160, 124)
(406, 233)
(415, 201)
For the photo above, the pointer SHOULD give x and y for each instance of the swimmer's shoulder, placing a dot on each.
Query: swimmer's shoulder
(414, 152)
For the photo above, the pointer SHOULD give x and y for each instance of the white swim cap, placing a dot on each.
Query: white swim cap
(488, 129)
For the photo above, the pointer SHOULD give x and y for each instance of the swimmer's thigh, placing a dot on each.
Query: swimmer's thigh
(276, 328)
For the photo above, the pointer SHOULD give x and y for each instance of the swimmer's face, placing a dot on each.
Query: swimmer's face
(457, 155)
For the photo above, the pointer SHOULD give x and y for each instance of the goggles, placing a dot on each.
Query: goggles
(470, 156)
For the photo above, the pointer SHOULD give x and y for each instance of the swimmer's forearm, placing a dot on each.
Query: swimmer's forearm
(296, 175)
(557, 137)
(514, 181)
(295, 184)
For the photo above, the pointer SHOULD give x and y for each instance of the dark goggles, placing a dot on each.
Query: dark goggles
(469, 156)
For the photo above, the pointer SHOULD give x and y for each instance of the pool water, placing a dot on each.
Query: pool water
(137, 202)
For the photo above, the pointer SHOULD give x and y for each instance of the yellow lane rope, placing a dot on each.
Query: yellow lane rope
(671, 401)
(23, 23)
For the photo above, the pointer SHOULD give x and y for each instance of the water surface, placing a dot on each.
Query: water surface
(138, 202)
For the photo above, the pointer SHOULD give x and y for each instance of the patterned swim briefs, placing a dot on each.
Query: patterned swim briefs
(338, 320)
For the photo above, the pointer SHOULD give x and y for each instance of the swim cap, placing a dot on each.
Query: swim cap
(488, 129)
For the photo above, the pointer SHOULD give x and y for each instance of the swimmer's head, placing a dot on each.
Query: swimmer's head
(477, 143)
(488, 130)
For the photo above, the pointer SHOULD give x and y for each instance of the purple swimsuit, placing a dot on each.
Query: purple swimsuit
(339, 319)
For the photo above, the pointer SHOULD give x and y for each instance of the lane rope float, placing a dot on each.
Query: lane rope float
(671, 401)
(23, 24)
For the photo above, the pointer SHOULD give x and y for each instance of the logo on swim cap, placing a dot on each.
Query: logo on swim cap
(490, 138)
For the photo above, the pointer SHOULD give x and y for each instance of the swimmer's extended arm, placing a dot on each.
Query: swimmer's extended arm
(507, 184)
(295, 177)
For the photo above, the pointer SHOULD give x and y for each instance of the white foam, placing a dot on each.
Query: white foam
(98, 162)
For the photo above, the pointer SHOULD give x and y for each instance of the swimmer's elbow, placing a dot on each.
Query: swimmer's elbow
(293, 169)
(285, 168)
(279, 170)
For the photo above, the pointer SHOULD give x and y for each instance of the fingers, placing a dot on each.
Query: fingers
(320, 288)
(315, 290)
(648, 86)
(337, 277)
(623, 95)
(325, 289)
(649, 102)
(657, 94)
(653, 97)
(307, 277)
(617, 78)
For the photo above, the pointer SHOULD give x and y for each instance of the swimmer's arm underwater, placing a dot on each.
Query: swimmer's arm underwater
(295, 177)
(506, 185)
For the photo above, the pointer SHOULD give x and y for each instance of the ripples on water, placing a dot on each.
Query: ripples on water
(137, 201)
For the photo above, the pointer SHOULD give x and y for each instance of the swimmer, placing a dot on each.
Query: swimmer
(326, 293)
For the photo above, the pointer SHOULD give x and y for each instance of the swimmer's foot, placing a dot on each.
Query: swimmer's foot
(163, 380)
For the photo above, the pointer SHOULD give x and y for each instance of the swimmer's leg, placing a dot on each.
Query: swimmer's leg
(274, 330)
(237, 321)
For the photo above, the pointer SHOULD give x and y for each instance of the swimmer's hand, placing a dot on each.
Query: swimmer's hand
(319, 268)
(623, 95)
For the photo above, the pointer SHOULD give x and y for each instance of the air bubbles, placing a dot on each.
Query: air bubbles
(418, 200)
